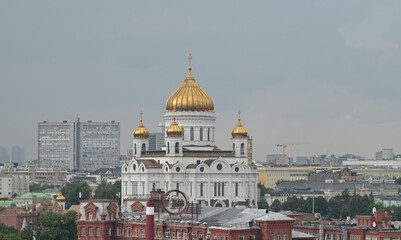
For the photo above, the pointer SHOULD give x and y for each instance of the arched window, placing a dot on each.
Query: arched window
(192, 134)
(233, 147)
(242, 148)
(134, 148)
(168, 147)
(201, 134)
(177, 147)
(143, 147)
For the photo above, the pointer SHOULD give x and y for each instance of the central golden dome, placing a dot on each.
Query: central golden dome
(190, 96)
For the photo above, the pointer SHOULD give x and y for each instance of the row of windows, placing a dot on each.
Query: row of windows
(277, 236)
(201, 130)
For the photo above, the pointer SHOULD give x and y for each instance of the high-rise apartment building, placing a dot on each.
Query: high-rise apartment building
(17, 154)
(99, 145)
(156, 139)
(4, 157)
(78, 145)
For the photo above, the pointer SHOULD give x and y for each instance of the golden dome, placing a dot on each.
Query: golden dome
(190, 96)
(141, 131)
(239, 131)
(174, 130)
(60, 198)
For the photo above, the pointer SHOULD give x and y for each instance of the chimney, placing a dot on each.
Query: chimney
(150, 221)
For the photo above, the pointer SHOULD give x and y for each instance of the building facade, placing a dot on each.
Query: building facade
(190, 160)
(78, 145)
(13, 184)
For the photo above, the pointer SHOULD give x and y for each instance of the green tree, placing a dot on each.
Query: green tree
(37, 187)
(27, 234)
(276, 206)
(321, 206)
(398, 180)
(107, 190)
(9, 233)
(57, 226)
(71, 192)
(334, 208)
(262, 204)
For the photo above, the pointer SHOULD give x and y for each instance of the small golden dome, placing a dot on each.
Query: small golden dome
(190, 96)
(174, 130)
(239, 131)
(60, 198)
(141, 131)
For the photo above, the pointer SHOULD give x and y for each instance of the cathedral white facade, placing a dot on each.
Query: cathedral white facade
(190, 161)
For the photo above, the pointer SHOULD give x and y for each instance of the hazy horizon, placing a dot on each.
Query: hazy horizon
(300, 71)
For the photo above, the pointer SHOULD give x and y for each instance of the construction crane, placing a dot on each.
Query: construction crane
(284, 145)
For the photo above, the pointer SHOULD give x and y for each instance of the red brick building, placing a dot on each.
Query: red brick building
(372, 227)
(102, 219)
(15, 217)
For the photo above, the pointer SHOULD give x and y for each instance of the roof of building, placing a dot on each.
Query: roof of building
(115, 170)
(33, 196)
(296, 234)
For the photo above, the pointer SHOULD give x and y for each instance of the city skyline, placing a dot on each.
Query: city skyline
(296, 78)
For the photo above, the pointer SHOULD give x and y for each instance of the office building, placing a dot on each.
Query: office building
(78, 145)
(17, 154)
(156, 139)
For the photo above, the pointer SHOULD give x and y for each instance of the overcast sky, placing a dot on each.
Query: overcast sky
(326, 72)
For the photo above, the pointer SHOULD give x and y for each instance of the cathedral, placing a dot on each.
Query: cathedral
(190, 161)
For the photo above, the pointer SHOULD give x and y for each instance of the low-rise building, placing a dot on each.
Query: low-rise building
(102, 219)
(388, 201)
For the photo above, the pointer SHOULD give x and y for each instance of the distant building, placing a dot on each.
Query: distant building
(156, 139)
(17, 154)
(78, 145)
(13, 184)
(4, 156)
(385, 154)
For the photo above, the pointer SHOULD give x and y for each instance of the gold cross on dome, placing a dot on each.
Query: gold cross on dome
(239, 115)
(141, 115)
(190, 60)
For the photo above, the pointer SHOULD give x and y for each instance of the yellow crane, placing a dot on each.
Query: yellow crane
(284, 145)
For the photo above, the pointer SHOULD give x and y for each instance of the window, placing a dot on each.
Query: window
(159, 233)
(178, 186)
(220, 237)
(129, 232)
(90, 216)
(252, 237)
(177, 147)
(168, 147)
(167, 233)
(141, 232)
(83, 231)
(172, 234)
(192, 134)
(278, 236)
(285, 236)
(143, 147)
(178, 235)
(242, 148)
(200, 236)
(153, 186)
(233, 147)
(118, 231)
(137, 232)
(134, 149)
(222, 189)
(271, 236)
(90, 231)
(193, 235)
(215, 237)
(97, 231)
(185, 235)
(201, 189)
(236, 189)
(241, 238)
(109, 232)
(208, 134)
(201, 134)
(215, 189)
